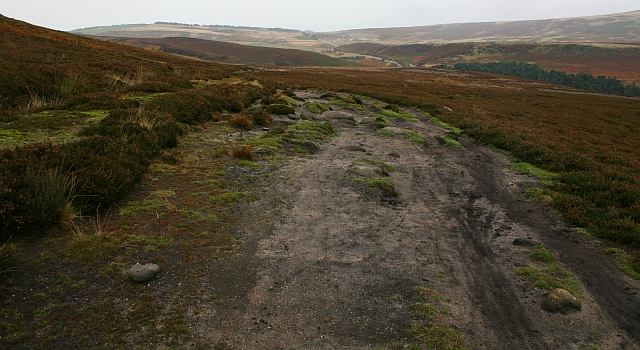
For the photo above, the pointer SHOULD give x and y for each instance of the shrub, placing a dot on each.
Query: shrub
(261, 118)
(241, 121)
(196, 106)
(243, 152)
(97, 101)
(152, 87)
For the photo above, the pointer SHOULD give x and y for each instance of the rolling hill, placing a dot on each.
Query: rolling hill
(621, 61)
(233, 53)
(614, 28)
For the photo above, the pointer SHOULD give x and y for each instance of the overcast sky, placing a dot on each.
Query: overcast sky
(316, 15)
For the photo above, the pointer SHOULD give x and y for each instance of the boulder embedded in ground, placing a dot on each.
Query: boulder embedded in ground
(338, 118)
(524, 242)
(560, 300)
(143, 273)
(337, 115)
(394, 154)
(366, 170)
(294, 117)
(262, 150)
(279, 122)
(306, 115)
(368, 120)
(356, 148)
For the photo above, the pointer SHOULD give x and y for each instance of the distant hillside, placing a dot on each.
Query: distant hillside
(615, 28)
(621, 61)
(234, 53)
(267, 37)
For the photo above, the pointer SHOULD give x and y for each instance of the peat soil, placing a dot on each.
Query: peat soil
(331, 264)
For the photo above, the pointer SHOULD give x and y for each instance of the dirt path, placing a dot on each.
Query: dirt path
(329, 265)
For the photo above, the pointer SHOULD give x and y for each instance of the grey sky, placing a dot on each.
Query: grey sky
(317, 15)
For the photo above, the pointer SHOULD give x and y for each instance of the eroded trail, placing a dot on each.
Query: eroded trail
(337, 267)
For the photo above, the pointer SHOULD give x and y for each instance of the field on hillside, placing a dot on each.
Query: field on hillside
(223, 52)
(610, 60)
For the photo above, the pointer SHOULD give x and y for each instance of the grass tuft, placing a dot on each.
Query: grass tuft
(243, 153)
(540, 253)
(241, 121)
(437, 336)
(318, 108)
(385, 184)
(414, 137)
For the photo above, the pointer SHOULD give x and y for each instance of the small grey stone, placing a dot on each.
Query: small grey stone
(262, 150)
(368, 120)
(294, 117)
(561, 300)
(524, 242)
(338, 115)
(366, 170)
(394, 154)
(356, 148)
(143, 273)
(258, 108)
(327, 95)
(276, 122)
(306, 115)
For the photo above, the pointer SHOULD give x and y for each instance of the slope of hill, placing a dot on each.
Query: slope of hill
(268, 37)
(621, 61)
(39, 62)
(614, 28)
(233, 53)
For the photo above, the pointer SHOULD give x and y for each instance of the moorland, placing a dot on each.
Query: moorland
(298, 207)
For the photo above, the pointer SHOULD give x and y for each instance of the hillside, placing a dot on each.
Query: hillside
(224, 52)
(267, 37)
(614, 28)
(611, 60)
(39, 62)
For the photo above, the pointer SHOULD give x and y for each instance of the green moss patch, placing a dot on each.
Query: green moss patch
(551, 276)
(385, 184)
(529, 169)
(414, 137)
(399, 115)
(450, 139)
(625, 262)
(318, 107)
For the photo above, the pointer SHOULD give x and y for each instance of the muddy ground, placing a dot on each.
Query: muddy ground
(336, 266)
(287, 252)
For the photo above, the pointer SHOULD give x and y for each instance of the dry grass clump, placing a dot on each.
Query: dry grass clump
(261, 118)
(243, 152)
(241, 121)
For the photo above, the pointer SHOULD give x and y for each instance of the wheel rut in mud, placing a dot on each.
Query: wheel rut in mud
(337, 267)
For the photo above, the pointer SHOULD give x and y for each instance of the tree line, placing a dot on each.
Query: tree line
(532, 71)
